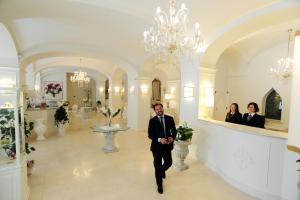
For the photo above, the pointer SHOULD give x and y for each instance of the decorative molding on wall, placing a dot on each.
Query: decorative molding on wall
(293, 148)
(243, 158)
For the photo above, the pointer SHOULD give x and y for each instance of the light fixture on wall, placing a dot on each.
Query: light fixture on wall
(144, 89)
(117, 89)
(209, 97)
(168, 98)
(101, 89)
(132, 89)
(80, 77)
(188, 92)
(284, 66)
(170, 35)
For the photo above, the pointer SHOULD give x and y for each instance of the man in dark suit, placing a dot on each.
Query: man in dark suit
(162, 132)
(252, 118)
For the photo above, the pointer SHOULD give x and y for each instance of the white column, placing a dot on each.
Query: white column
(189, 81)
(291, 177)
(133, 99)
(294, 125)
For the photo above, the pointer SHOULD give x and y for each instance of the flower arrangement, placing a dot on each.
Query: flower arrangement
(184, 133)
(61, 116)
(109, 114)
(53, 88)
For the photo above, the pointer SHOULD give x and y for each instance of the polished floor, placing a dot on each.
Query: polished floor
(74, 167)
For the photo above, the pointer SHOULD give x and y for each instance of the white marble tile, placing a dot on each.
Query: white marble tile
(74, 167)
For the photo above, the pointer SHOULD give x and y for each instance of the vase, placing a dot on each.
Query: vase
(181, 151)
(40, 129)
(61, 129)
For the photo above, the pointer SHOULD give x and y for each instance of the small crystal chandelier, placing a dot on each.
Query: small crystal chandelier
(284, 67)
(170, 36)
(80, 78)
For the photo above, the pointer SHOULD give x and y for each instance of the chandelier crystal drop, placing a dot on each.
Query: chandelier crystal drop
(284, 68)
(80, 78)
(170, 36)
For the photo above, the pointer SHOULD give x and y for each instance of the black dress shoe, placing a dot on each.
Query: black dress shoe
(160, 189)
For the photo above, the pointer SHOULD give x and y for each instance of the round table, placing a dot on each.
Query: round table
(109, 133)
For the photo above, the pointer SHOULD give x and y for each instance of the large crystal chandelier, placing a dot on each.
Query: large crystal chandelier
(284, 66)
(80, 78)
(170, 35)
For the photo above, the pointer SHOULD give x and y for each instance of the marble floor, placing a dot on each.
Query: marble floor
(73, 167)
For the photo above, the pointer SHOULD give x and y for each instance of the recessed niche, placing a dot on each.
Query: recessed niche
(273, 105)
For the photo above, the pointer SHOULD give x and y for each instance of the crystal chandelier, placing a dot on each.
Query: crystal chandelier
(284, 67)
(80, 78)
(170, 35)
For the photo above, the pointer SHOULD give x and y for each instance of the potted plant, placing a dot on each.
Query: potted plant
(109, 114)
(28, 127)
(182, 141)
(61, 118)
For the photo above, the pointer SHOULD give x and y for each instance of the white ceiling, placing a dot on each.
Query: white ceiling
(108, 29)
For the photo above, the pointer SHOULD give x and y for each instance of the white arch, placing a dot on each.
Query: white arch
(277, 13)
(8, 52)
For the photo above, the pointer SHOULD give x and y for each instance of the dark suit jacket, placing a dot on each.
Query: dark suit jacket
(235, 118)
(156, 131)
(256, 121)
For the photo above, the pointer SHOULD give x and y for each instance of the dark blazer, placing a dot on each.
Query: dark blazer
(156, 131)
(235, 118)
(256, 121)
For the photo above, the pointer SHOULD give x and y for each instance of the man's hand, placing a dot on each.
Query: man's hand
(164, 141)
(170, 140)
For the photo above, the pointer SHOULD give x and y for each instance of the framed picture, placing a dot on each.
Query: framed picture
(53, 90)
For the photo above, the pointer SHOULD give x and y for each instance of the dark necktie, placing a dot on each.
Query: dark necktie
(161, 119)
(249, 117)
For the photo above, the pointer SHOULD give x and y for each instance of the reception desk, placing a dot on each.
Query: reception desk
(47, 116)
(252, 159)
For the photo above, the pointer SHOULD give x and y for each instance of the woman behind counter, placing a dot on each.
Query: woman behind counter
(234, 115)
(252, 118)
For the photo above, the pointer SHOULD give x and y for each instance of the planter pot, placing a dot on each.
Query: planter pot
(40, 129)
(181, 151)
(61, 130)
(30, 165)
(110, 145)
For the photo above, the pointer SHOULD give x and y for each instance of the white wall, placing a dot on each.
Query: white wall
(8, 52)
(249, 79)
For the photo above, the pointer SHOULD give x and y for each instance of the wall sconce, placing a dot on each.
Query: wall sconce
(101, 89)
(7, 83)
(172, 90)
(123, 90)
(144, 89)
(37, 88)
(168, 97)
(117, 89)
(132, 89)
(188, 92)
(209, 97)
